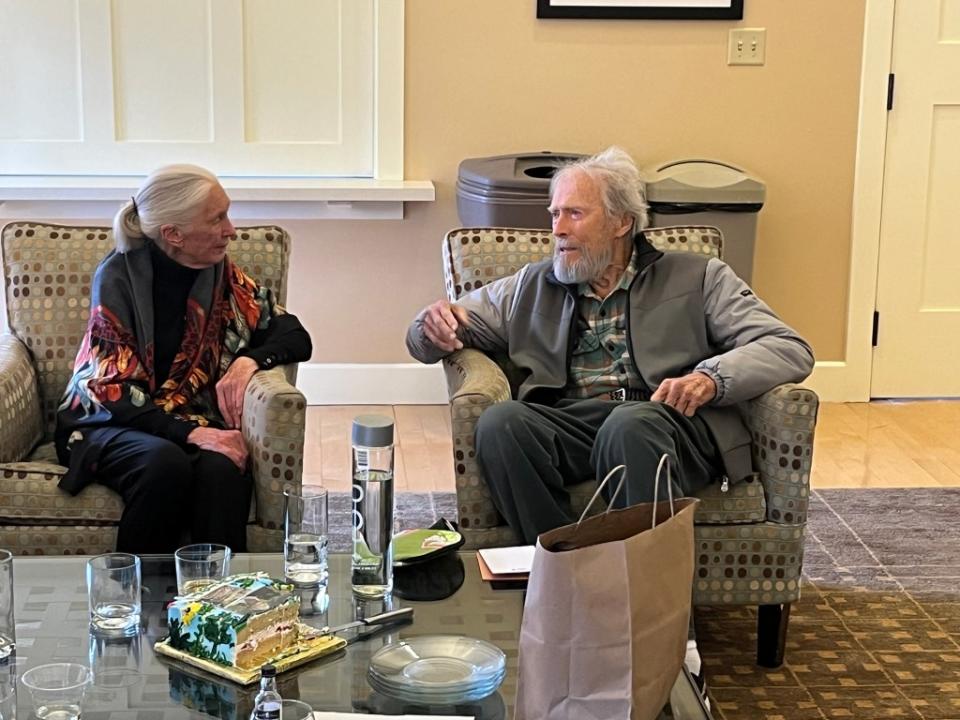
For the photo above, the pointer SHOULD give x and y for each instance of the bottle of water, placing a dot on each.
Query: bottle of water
(268, 703)
(372, 464)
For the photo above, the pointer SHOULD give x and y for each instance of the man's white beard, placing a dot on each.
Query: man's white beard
(589, 266)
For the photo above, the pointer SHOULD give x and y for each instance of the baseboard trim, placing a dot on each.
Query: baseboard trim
(372, 384)
(833, 382)
(416, 384)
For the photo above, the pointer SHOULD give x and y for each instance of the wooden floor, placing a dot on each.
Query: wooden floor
(878, 444)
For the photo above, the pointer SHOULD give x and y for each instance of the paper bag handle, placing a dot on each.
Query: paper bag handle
(664, 460)
(600, 488)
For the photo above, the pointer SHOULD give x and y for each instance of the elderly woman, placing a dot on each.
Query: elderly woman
(176, 331)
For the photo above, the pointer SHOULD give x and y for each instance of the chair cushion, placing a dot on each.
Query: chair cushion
(743, 502)
(29, 496)
(58, 539)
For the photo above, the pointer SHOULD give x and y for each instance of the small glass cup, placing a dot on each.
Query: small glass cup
(291, 709)
(8, 637)
(201, 565)
(305, 535)
(57, 689)
(113, 591)
(115, 662)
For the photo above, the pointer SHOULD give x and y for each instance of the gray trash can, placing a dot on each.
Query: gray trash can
(508, 190)
(709, 192)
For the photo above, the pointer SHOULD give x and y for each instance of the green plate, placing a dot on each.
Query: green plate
(415, 546)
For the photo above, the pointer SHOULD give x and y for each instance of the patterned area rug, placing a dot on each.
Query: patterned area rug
(411, 510)
(876, 633)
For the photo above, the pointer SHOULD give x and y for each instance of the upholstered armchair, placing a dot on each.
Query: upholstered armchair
(48, 270)
(749, 540)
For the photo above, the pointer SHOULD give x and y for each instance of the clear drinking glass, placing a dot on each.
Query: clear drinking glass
(291, 709)
(372, 465)
(305, 536)
(8, 637)
(201, 565)
(113, 591)
(57, 689)
(115, 662)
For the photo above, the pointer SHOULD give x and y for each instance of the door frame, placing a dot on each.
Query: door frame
(848, 380)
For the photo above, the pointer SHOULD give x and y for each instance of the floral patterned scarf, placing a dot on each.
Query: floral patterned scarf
(114, 367)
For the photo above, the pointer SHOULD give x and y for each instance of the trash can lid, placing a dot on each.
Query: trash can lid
(703, 181)
(521, 171)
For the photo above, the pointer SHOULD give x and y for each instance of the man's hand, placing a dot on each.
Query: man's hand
(231, 387)
(225, 442)
(686, 393)
(441, 322)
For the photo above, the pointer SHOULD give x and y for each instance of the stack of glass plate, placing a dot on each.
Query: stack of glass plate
(437, 669)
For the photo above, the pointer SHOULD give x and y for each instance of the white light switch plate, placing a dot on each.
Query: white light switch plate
(747, 46)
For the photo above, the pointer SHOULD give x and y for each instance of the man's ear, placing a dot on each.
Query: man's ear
(171, 235)
(624, 225)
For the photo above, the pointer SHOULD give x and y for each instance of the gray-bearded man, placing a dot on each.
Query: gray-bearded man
(628, 353)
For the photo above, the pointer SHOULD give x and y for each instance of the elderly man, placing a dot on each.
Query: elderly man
(628, 353)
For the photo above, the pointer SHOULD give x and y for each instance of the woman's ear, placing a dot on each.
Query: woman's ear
(171, 235)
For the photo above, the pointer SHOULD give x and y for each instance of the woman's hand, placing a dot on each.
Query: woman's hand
(225, 442)
(231, 387)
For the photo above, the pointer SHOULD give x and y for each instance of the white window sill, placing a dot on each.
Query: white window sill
(35, 197)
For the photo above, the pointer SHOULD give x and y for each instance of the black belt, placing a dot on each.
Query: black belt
(623, 394)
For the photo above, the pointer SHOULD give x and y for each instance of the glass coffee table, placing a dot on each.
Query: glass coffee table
(131, 682)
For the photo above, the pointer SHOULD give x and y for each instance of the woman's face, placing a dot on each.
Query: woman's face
(204, 242)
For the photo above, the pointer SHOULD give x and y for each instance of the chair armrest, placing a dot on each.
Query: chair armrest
(474, 383)
(21, 419)
(274, 421)
(782, 423)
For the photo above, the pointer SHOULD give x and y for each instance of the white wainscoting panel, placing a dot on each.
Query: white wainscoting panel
(162, 65)
(244, 87)
(40, 39)
(372, 384)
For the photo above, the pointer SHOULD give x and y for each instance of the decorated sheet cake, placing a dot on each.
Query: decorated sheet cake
(242, 621)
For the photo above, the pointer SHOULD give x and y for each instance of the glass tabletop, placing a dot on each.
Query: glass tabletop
(131, 682)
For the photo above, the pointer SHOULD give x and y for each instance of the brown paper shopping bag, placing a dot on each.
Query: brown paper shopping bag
(606, 614)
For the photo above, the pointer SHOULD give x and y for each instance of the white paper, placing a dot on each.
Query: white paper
(508, 560)
(341, 715)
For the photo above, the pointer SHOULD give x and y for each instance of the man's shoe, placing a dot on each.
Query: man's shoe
(694, 666)
(701, 684)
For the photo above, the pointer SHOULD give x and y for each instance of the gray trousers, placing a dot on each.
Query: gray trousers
(530, 453)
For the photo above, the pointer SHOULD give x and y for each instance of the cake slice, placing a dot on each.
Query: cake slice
(241, 621)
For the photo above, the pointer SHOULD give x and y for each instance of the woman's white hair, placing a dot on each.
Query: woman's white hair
(171, 195)
(621, 186)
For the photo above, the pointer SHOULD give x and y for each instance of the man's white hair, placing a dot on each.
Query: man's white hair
(171, 195)
(621, 188)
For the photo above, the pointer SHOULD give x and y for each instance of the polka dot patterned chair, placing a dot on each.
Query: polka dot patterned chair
(749, 540)
(47, 271)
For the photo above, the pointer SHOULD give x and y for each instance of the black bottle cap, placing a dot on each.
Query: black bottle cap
(268, 671)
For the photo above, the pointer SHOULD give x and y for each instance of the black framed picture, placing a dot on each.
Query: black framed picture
(641, 9)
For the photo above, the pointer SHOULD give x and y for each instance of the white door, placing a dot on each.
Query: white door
(918, 287)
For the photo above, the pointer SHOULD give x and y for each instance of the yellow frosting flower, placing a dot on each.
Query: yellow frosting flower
(189, 612)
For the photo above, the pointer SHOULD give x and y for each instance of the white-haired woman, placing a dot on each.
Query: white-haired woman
(176, 331)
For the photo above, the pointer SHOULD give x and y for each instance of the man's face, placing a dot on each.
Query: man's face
(204, 242)
(583, 234)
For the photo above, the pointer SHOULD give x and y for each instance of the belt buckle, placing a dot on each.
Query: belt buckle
(618, 395)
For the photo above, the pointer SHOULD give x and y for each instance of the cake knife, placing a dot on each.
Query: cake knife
(387, 618)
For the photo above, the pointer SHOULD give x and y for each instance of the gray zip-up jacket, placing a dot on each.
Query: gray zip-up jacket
(686, 313)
